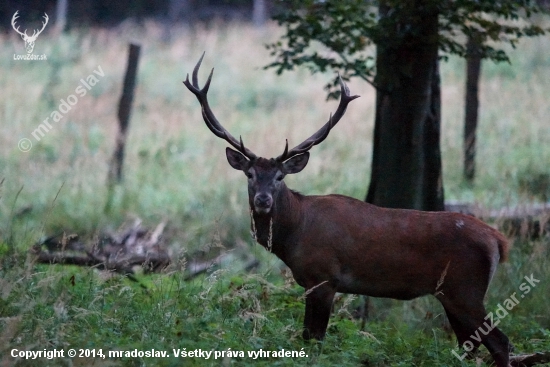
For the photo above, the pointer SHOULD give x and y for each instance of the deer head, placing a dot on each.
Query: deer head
(265, 176)
(29, 40)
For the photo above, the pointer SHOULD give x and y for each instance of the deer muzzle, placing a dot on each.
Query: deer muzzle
(263, 203)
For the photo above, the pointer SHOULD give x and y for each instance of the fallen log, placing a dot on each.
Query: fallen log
(527, 360)
(528, 221)
(133, 247)
(123, 252)
(149, 263)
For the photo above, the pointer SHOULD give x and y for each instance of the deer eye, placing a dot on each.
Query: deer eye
(279, 177)
(249, 175)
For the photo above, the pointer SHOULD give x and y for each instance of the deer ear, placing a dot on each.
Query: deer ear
(296, 163)
(236, 159)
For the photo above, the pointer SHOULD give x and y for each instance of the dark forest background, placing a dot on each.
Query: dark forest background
(108, 13)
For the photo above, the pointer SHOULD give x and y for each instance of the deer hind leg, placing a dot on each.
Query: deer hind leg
(462, 333)
(499, 346)
(318, 307)
(470, 323)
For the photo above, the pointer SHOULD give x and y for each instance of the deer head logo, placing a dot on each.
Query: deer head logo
(29, 40)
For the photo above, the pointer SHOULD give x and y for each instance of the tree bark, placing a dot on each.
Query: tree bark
(177, 10)
(406, 163)
(61, 16)
(259, 13)
(473, 70)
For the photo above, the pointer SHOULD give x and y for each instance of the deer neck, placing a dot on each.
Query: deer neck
(273, 229)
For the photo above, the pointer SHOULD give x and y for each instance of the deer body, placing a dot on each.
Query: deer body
(334, 243)
(357, 247)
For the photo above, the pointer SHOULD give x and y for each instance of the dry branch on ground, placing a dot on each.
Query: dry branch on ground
(528, 360)
(134, 246)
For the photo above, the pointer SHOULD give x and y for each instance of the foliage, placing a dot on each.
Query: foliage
(345, 30)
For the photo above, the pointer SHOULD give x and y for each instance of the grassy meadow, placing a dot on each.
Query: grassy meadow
(176, 172)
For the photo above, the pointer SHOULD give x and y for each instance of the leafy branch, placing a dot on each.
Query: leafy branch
(337, 35)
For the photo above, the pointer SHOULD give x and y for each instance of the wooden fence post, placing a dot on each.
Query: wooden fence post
(115, 175)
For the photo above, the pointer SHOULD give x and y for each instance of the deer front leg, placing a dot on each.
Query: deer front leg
(318, 307)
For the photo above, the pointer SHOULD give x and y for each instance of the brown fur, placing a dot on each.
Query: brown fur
(335, 243)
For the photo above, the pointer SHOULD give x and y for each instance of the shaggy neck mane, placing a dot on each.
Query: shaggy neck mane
(283, 216)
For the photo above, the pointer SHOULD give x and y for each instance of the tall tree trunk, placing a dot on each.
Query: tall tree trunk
(473, 70)
(177, 10)
(406, 163)
(259, 13)
(61, 16)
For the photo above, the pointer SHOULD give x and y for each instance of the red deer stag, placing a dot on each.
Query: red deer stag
(334, 243)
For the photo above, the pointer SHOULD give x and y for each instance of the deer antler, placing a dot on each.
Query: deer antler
(43, 26)
(15, 16)
(207, 114)
(322, 133)
(35, 32)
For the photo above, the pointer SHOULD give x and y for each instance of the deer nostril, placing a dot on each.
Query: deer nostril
(263, 200)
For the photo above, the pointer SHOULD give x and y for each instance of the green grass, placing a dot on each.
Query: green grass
(53, 307)
(175, 171)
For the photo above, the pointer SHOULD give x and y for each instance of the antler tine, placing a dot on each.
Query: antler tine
(44, 23)
(322, 133)
(286, 149)
(196, 72)
(13, 19)
(211, 121)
